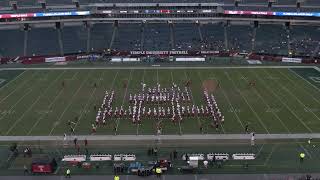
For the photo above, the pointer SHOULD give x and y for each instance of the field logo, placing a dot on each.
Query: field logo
(316, 79)
(2, 81)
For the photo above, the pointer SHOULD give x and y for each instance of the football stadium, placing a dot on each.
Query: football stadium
(159, 89)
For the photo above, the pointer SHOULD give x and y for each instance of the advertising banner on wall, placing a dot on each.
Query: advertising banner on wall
(55, 59)
(291, 60)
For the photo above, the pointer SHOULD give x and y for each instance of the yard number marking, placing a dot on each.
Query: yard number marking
(316, 79)
(2, 81)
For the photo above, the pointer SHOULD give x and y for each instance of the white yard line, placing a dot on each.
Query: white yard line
(199, 76)
(49, 107)
(17, 88)
(301, 103)
(268, 106)
(7, 84)
(123, 99)
(88, 101)
(31, 106)
(275, 95)
(305, 81)
(317, 68)
(229, 102)
(193, 102)
(260, 149)
(17, 102)
(245, 99)
(172, 81)
(270, 155)
(163, 67)
(70, 102)
(144, 71)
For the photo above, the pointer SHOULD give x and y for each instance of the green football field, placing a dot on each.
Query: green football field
(33, 102)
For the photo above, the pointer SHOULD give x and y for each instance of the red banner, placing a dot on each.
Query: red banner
(39, 168)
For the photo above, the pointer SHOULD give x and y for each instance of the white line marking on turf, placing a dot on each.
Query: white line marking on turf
(301, 103)
(275, 95)
(229, 102)
(87, 103)
(7, 84)
(19, 86)
(268, 106)
(180, 129)
(123, 99)
(245, 99)
(49, 107)
(17, 102)
(199, 76)
(270, 155)
(31, 106)
(70, 102)
(144, 71)
(193, 102)
(305, 81)
(316, 68)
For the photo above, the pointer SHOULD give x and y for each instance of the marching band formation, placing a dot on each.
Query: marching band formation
(159, 103)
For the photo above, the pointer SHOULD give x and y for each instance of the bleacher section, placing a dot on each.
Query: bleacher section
(304, 39)
(186, 36)
(128, 37)
(43, 41)
(242, 43)
(5, 3)
(74, 39)
(157, 36)
(271, 39)
(101, 36)
(11, 42)
(213, 37)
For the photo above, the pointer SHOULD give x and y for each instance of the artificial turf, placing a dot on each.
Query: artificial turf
(33, 102)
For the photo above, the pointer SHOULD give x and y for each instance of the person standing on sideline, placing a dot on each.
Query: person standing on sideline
(302, 156)
(158, 172)
(116, 177)
(205, 164)
(25, 170)
(252, 139)
(85, 142)
(68, 173)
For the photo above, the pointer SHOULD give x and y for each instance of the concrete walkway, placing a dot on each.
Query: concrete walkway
(171, 177)
(165, 137)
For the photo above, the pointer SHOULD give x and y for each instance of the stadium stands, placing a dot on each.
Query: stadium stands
(69, 2)
(271, 39)
(187, 36)
(213, 37)
(43, 41)
(157, 36)
(101, 34)
(74, 39)
(304, 39)
(11, 42)
(242, 43)
(128, 37)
